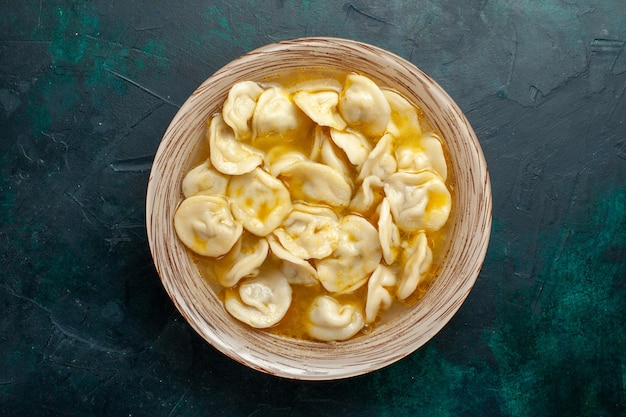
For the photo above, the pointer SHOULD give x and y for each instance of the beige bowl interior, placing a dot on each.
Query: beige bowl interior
(199, 304)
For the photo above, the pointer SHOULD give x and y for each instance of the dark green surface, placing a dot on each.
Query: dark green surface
(87, 90)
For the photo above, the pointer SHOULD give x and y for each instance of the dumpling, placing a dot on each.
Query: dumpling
(378, 296)
(206, 226)
(260, 302)
(423, 153)
(380, 162)
(239, 108)
(354, 144)
(278, 164)
(276, 114)
(363, 106)
(321, 107)
(326, 152)
(296, 270)
(228, 155)
(388, 233)
(259, 201)
(404, 120)
(417, 258)
(243, 260)
(368, 194)
(330, 321)
(317, 183)
(418, 200)
(203, 179)
(318, 84)
(355, 258)
(309, 231)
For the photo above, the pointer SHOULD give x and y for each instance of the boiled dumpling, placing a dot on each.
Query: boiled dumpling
(417, 257)
(404, 120)
(228, 155)
(363, 105)
(380, 162)
(278, 164)
(275, 114)
(297, 270)
(239, 107)
(317, 183)
(388, 233)
(354, 144)
(318, 84)
(326, 152)
(204, 179)
(260, 302)
(330, 321)
(309, 231)
(321, 107)
(425, 153)
(378, 296)
(418, 200)
(206, 226)
(259, 201)
(354, 259)
(243, 260)
(368, 195)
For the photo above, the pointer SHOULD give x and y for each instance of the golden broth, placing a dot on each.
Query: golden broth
(293, 325)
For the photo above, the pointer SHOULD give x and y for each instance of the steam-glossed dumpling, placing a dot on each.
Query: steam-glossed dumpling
(329, 320)
(368, 194)
(417, 257)
(278, 164)
(425, 153)
(404, 120)
(418, 200)
(204, 179)
(239, 108)
(326, 152)
(388, 233)
(378, 296)
(309, 231)
(260, 201)
(354, 144)
(206, 226)
(321, 107)
(228, 155)
(381, 162)
(243, 260)
(260, 302)
(317, 183)
(363, 105)
(297, 270)
(355, 258)
(276, 114)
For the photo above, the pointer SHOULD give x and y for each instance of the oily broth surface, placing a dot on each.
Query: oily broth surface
(293, 325)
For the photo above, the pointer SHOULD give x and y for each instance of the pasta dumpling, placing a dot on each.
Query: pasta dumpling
(317, 183)
(260, 302)
(205, 225)
(297, 270)
(259, 201)
(418, 200)
(243, 260)
(380, 162)
(239, 107)
(309, 231)
(417, 257)
(276, 114)
(331, 321)
(354, 144)
(404, 120)
(378, 295)
(204, 179)
(355, 258)
(425, 153)
(228, 155)
(388, 233)
(321, 107)
(363, 105)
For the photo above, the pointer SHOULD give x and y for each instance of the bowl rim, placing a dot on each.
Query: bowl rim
(336, 367)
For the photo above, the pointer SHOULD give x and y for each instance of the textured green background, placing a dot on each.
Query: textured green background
(87, 89)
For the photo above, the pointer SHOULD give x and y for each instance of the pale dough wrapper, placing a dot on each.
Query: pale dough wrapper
(378, 296)
(329, 320)
(204, 179)
(259, 201)
(206, 226)
(417, 259)
(228, 155)
(260, 302)
(425, 153)
(321, 107)
(363, 105)
(239, 108)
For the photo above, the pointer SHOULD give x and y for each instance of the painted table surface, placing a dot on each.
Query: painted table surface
(87, 90)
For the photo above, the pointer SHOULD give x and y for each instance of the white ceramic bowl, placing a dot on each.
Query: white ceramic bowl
(390, 341)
